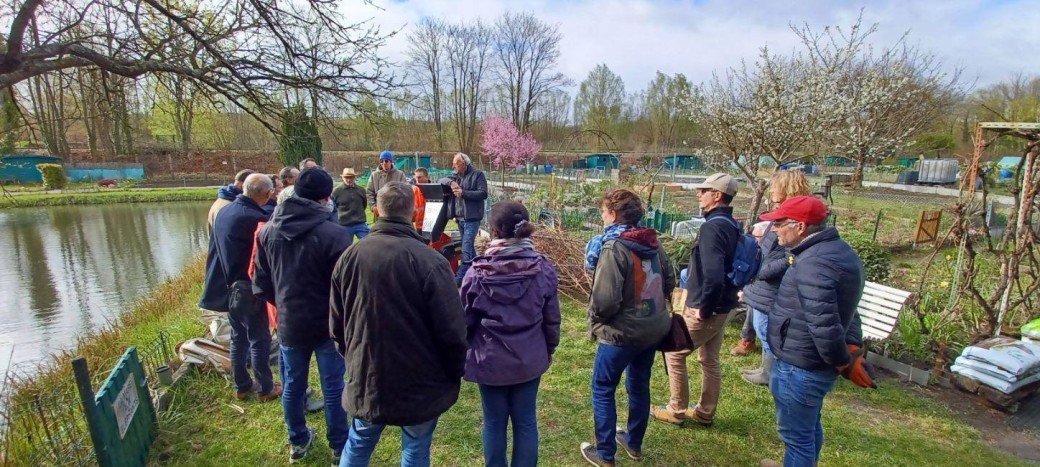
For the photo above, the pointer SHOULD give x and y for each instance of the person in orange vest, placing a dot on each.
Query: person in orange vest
(421, 176)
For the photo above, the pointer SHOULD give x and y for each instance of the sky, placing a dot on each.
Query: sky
(990, 40)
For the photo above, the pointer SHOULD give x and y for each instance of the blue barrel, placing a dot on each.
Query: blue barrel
(1006, 174)
(548, 168)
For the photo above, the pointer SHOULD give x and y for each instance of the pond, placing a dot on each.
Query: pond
(67, 270)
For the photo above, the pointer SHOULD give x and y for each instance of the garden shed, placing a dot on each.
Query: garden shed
(602, 161)
(683, 162)
(21, 168)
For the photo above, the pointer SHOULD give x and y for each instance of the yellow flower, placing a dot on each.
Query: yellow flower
(948, 257)
(944, 284)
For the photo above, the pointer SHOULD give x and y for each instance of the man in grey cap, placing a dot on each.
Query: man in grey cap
(710, 297)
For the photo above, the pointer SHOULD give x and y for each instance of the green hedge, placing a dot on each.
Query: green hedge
(53, 176)
(877, 260)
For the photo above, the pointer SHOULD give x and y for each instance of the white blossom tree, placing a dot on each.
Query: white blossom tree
(880, 99)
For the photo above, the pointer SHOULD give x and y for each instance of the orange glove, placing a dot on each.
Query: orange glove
(859, 371)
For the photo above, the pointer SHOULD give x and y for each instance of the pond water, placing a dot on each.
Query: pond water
(66, 270)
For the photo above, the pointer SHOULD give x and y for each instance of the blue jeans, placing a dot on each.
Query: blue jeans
(798, 395)
(359, 230)
(611, 361)
(251, 339)
(415, 443)
(296, 364)
(502, 404)
(761, 324)
(468, 230)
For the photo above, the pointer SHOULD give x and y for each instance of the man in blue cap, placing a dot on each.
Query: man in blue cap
(386, 173)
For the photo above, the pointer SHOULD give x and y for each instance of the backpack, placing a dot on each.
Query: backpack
(747, 260)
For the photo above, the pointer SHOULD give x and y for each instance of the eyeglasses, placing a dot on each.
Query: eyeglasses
(785, 224)
(701, 191)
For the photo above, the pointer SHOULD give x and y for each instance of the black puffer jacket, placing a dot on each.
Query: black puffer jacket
(397, 319)
(295, 255)
(814, 317)
(761, 293)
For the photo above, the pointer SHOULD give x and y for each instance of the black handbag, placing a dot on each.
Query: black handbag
(678, 337)
(241, 300)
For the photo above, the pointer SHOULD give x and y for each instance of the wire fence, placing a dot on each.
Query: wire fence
(44, 424)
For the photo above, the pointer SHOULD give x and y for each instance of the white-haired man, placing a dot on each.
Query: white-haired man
(470, 189)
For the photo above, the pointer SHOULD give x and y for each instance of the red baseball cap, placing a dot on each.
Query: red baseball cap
(806, 209)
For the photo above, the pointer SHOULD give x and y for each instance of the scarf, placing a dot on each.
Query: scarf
(505, 246)
(596, 244)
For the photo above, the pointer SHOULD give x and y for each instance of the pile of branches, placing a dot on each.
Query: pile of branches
(568, 256)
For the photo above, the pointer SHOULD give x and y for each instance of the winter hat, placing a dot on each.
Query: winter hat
(313, 184)
(386, 156)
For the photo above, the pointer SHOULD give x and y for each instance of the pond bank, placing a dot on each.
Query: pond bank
(113, 196)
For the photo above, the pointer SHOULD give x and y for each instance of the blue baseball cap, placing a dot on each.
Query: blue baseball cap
(386, 156)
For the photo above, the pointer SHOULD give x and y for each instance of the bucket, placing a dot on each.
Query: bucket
(165, 377)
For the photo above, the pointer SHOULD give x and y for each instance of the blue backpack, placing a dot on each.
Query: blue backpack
(748, 258)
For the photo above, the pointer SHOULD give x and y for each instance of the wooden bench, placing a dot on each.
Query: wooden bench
(879, 310)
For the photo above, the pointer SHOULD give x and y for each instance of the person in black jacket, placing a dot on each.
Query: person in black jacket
(710, 297)
(397, 318)
(760, 294)
(470, 191)
(814, 329)
(231, 244)
(295, 255)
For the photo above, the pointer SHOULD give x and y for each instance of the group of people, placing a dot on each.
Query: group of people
(803, 300)
(394, 331)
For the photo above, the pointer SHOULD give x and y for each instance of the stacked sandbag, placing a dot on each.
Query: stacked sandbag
(1002, 363)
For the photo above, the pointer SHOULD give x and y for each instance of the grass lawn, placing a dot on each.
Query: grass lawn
(887, 426)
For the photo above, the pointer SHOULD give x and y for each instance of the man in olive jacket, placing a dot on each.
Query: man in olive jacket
(397, 318)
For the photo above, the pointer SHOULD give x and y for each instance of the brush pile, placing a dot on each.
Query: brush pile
(567, 254)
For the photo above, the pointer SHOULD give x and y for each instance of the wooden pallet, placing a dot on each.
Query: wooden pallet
(1004, 402)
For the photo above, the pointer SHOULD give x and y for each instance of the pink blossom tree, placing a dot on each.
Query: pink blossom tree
(506, 146)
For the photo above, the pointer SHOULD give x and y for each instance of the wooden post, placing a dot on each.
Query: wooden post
(86, 397)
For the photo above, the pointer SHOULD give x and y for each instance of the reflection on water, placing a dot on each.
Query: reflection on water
(66, 270)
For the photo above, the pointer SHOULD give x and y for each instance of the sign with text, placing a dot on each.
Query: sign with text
(125, 406)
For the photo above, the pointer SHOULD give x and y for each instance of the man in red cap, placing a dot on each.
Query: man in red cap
(814, 330)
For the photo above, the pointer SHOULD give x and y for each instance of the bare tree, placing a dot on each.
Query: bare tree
(469, 54)
(246, 51)
(426, 60)
(601, 99)
(528, 51)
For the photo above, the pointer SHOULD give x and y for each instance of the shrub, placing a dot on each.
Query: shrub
(877, 260)
(53, 176)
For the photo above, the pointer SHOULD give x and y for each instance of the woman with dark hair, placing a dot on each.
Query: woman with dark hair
(512, 327)
(629, 317)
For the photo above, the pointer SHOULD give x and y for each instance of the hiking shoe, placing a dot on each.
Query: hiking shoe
(619, 436)
(274, 393)
(588, 451)
(661, 413)
(243, 395)
(296, 453)
(743, 348)
(760, 378)
(692, 415)
(770, 463)
(336, 455)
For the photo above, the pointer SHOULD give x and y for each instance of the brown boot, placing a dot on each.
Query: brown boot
(243, 395)
(274, 393)
(743, 348)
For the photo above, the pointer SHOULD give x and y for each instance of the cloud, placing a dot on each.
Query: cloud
(990, 40)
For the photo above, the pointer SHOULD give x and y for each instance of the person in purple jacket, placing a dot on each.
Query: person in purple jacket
(512, 328)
